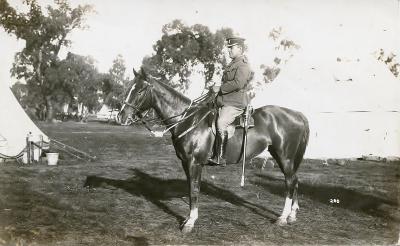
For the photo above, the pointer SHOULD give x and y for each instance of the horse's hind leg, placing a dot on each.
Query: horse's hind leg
(297, 160)
(291, 182)
(291, 202)
(295, 201)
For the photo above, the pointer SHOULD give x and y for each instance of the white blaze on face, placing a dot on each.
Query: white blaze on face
(128, 97)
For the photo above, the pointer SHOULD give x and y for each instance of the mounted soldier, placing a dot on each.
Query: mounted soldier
(232, 97)
(281, 131)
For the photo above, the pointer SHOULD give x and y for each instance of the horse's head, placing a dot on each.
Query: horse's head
(137, 99)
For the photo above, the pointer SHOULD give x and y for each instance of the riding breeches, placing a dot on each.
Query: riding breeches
(227, 115)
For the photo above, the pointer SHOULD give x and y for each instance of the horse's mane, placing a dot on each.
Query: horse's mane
(178, 95)
(174, 92)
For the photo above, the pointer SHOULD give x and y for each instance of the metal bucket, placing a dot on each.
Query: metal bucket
(52, 159)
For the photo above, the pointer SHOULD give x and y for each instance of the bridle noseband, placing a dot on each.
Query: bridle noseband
(137, 107)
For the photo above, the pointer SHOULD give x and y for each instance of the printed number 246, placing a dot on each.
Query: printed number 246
(334, 200)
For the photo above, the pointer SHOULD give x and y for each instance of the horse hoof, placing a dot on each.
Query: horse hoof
(291, 219)
(281, 222)
(187, 228)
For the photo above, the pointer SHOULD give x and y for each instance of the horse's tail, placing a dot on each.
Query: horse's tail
(303, 144)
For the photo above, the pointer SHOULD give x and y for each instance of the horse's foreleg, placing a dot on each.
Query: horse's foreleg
(194, 180)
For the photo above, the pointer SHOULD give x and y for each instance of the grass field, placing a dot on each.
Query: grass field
(134, 193)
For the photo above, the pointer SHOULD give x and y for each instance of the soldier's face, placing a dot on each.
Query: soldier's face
(234, 51)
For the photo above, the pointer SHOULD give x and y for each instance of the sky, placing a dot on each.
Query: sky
(131, 27)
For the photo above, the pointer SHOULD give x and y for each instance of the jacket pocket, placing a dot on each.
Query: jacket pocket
(230, 74)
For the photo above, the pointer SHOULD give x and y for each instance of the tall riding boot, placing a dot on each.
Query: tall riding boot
(222, 150)
(218, 158)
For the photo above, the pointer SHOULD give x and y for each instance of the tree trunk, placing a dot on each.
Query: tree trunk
(49, 109)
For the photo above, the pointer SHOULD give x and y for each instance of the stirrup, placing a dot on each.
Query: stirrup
(217, 161)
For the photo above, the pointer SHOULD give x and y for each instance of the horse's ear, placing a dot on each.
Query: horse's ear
(135, 73)
(143, 73)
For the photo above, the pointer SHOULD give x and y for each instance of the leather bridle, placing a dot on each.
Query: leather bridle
(137, 107)
(183, 116)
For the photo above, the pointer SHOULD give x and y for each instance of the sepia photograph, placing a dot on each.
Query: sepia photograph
(188, 122)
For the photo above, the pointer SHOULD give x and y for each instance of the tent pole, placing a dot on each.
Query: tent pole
(65, 146)
(28, 149)
(40, 148)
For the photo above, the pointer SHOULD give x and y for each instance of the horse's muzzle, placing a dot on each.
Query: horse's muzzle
(118, 118)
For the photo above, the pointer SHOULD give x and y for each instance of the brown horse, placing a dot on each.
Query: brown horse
(282, 131)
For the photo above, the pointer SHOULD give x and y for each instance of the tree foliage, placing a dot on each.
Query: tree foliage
(389, 59)
(45, 32)
(80, 80)
(284, 52)
(115, 83)
(182, 47)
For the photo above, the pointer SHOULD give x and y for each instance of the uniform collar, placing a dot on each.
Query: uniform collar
(241, 57)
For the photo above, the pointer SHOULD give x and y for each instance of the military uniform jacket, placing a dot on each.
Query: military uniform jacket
(234, 86)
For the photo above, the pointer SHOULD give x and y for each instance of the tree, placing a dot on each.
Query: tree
(45, 34)
(390, 61)
(181, 48)
(284, 52)
(80, 80)
(115, 84)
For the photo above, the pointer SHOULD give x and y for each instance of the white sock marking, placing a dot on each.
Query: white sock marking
(287, 209)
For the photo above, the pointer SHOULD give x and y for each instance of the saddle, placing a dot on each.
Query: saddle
(238, 123)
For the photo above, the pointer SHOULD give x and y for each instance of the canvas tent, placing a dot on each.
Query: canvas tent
(352, 104)
(15, 125)
(106, 113)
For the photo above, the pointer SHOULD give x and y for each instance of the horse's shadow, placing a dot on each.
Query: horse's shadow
(337, 196)
(157, 190)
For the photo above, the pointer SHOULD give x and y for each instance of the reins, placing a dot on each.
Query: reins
(193, 126)
(184, 115)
